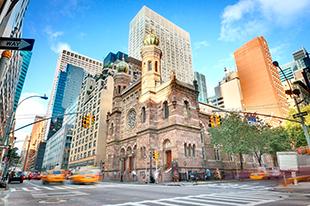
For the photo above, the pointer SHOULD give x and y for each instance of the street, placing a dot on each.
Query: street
(113, 193)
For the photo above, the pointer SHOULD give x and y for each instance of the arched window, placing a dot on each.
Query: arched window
(156, 66)
(185, 150)
(119, 90)
(166, 110)
(150, 65)
(186, 109)
(189, 150)
(112, 129)
(193, 151)
(143, 115)
(124, 87)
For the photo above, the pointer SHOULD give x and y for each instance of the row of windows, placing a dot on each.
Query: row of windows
(76, 157)
(79, 149)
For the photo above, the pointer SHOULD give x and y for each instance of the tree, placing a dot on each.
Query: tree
(295, 129)
(231, 136)
(13, 157)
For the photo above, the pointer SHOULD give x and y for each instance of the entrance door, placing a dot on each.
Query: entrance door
(130, 164)
(168, 158)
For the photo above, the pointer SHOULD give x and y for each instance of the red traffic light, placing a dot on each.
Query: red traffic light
(303, 150)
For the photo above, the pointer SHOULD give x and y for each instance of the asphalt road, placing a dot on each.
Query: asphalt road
(34, 193)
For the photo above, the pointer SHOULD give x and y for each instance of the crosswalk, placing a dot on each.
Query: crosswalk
(238, 186)
(63, 187)
(248, 199)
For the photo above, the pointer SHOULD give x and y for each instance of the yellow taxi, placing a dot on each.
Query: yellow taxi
(258, 175)
(54, 176)
(266, 173)
(86, 176)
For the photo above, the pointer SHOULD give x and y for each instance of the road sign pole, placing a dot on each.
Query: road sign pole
(303, 123)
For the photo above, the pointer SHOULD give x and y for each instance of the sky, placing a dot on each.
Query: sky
(95, 28)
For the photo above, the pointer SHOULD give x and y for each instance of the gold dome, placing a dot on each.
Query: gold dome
(150, 39)
(122, 66)
(7, 54)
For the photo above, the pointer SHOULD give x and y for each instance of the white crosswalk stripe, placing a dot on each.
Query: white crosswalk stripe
(237, 186)
(35, 188)
(25, 189)
(48, 188)
(228, 199)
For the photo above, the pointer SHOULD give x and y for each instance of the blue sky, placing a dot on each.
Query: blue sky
(95, 28)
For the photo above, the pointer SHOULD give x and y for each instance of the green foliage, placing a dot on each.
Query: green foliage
(295, 129)
(231, 136)
(13, 157)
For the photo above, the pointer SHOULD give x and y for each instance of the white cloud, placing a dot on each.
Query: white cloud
(52, 34)
(59, 46)
(25, 114)
(255, 17)
(277, 52)
(200, 44)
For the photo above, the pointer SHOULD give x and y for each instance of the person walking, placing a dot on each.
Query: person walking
(207, 176)
(134, 175)
(218, 174)
(175, 176)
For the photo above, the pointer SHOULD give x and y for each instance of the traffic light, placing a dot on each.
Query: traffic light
(211, 121)
(93, 119)
(84, 124)
(218, 120)
(303, 150)
(87, 119)
(154, 154)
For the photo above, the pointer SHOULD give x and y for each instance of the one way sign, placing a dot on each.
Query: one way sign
(16, 43)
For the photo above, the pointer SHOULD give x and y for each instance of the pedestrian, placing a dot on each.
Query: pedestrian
(175, 176)
(218, 174)
(195, 176)
(134, 175)
(207, 176)
(190, 176)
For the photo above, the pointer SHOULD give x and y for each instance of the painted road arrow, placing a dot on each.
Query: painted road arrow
(16, 43)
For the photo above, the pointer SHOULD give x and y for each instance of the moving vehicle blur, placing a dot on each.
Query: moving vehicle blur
(88, 175)
(53, 176)
(266, 173)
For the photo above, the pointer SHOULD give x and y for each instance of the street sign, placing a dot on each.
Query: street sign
(16, 43)
(300, 114)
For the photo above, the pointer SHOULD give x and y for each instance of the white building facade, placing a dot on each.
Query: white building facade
(174, 42)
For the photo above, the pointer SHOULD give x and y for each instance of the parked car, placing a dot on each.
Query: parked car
(16, 176)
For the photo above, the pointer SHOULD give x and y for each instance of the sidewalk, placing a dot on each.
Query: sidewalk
(301, 187)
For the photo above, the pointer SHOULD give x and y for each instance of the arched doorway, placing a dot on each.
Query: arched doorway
(167, 152)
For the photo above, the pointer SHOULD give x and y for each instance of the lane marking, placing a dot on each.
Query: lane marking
(25, 189)
(48, 188)
(36, 188)
(13, 190)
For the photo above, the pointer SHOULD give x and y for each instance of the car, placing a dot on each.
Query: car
(16, 176)
(266, 173)
(56, 175)
(86, 176)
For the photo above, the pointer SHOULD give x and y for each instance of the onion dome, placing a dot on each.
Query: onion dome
(122, 66)
(150, 39)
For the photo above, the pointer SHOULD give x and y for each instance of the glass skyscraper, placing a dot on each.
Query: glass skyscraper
(67, 89)
(202, 87)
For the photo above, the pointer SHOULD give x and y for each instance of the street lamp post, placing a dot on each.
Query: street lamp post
(122, 160)
(151, 177)
(185, 170)
(295, 91)
(8, 128)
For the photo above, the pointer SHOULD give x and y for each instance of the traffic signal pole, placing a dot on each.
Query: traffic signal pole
(303, 122)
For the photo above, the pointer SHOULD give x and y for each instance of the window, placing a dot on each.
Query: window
(85, 146)
(96, 126)
(94, 152)
(230, 157)
(201, 134)
(143, 115)
(119, 90)
(89, 153)
(89, 145)
(186, 109)
(95, 143)
(185, 150)
(82, 149)
(166, 110)
(216, 154)
(86, 139)
(189, 151)
(111, 129)
(193, 151)
(149, 65)
(84, 154)
(156, 65)
(95, 134)
(90, 137)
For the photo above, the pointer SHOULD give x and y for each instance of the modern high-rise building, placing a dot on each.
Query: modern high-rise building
(202, 87)
(174, 42)
(111, 57)
(11, 25)
(67, 90)
(260, 81)
(288, 69)
(36, 138)
(301, 57)
(23, 153)
(89, 65)
(228, 93)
